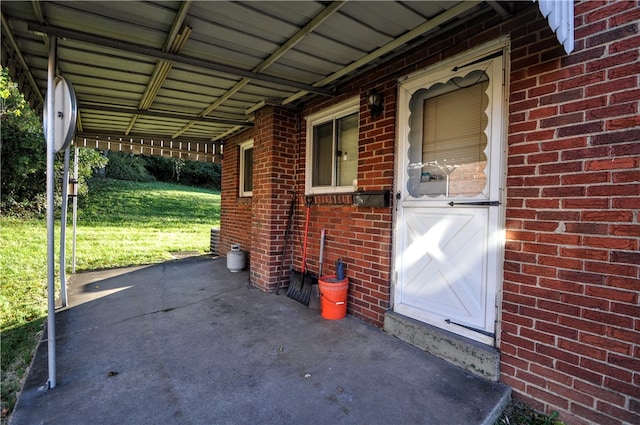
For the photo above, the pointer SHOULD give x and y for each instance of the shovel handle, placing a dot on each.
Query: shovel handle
(306, 236)
(321, 251)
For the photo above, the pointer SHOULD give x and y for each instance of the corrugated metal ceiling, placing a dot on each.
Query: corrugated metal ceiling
(197, 70)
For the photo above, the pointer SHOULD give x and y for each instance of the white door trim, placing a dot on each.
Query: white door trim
(406, 88)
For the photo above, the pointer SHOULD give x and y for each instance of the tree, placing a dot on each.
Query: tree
(22, 148)
(23, 152)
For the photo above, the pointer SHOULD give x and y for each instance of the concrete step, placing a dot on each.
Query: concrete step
(477, 358)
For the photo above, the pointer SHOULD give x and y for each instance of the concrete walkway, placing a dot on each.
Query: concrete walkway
(188, 342)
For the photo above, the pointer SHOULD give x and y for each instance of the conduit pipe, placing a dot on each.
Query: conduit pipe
(51, 309)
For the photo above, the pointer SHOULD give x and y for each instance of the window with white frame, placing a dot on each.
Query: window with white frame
(332, 149)
(246, 168)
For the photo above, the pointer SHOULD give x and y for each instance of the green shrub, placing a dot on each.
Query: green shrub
(124, 166)
(23, 157)
(23, 149)
(191, 173)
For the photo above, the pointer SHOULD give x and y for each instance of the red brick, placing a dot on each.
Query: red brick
(618, 413)
(560, 239)
(613, 294)
(606, 63)
(552, 374)
(561, 262)
(611, 269)
(590, 152)
(625, 309)
(562, 97)
(587, 228)
(614, 111)
(608, 216)
(622, 387)
(531, 379)
(611, 164)
(586, 104)
(555, 400)
(514, 383)
(630, 135)
(581, 277)
(615, 34)
(564, 144)
(585, 203)
(561, 120)
(570, 393)
(599, 393)
(561, 167)
(533, 357)
(579, 372)
(558, 330)
(625, 362)
(586, 254)
(579, 129)
(605, 343)
(611, 243)
(582, 179)
(606, 369)
(540, 248)
(625, 96)
(593, 416)
(545, 112)
(561, 355)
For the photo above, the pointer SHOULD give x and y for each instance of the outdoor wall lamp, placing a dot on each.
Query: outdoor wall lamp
(374, 102)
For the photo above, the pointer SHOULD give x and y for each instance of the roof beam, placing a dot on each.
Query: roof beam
(429, 25)
(141, 137)
(193, 150)
(174, 43)
(6, 28)
(109, 108)
(293, 40)
(168, 56)
(504, 14)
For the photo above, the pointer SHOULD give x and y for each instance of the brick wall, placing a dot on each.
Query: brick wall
(235, 212)
(274, 178)
(570, 314)
(571, 318)
(259, 222)
(360, 236)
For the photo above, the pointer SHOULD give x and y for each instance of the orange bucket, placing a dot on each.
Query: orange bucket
(333, 297)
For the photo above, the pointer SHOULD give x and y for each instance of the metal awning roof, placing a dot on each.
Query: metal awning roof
(183, 71)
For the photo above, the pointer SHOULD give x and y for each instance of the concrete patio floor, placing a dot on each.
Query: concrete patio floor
(188, 342)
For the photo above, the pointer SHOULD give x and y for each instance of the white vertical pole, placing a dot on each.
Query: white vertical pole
(75, 207)
(63, 228)
(51, 320)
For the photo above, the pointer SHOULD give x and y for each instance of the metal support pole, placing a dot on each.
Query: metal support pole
(63, 229)
(51, 320)
(75, 208)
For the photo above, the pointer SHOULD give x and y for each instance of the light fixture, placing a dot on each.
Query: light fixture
(374, 102)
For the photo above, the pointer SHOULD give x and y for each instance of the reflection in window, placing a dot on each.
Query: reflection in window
(335, 152)
(448, 141)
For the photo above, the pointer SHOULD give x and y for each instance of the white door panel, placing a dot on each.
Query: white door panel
(444, 267)
(447, 244)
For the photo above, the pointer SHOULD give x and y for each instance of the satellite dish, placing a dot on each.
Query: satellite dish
(66, 114)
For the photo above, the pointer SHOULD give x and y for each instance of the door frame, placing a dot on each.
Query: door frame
(502, 45)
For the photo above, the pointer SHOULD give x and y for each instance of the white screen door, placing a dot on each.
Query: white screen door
(448, 244)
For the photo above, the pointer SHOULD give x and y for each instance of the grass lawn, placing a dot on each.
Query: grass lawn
(121, 223)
